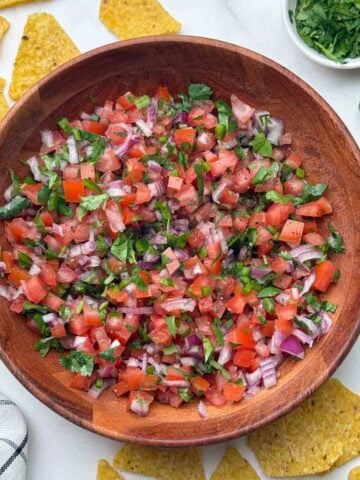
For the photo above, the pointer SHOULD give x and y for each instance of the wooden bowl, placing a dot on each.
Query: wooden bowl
(330, 155)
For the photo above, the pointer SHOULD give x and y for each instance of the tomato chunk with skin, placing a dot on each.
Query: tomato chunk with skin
(34, 289)
(324, 275)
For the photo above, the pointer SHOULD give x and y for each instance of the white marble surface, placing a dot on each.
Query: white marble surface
(58, 449)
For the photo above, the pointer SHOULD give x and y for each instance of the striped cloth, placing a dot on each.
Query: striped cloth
(13, 441)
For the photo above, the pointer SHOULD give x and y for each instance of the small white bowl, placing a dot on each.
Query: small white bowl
(310, 52)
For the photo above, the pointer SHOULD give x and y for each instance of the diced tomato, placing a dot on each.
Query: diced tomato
(240, 223)
(292, 232)
(293, 160)
(278, 213)
(31, 191)
(313, 238)
(143, 194)
(87, 170)
(227, 161)
(161, 336)
(199, 385)
(17, 275)
(286, 312)
(236, 304)
(233, 392)
(134, 171)
(120, 388)
(184, 136)
(188, 198)
(162, 92)
(108, 162)
(284, 326)
(58, 331)
(241, 336)
(283, 281)
(65, 274)
(175, 183)
(134, 377)
(279, 265)
(48, 275)
(77, 325)
(80, 382)
(318, 208)
(268, 328)
(53, 301)
(294, 186)
(34, 289)
(73, 190)
(215, 397)
(92, 317)
(47, 218)
(324, 275)
(243, 358)
(126, 101)
(94, 127)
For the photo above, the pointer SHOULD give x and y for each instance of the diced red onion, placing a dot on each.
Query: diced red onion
(202, 410)
(303, 337)
(292, 346)
(188, 361)
(7, 292)
(160, 368)
(181, 254)
(88, 247)
(158, 240)
(49, 317)
(216, 194)
(283, 298)
(144, 362)
(34, 269)
(297, 251)
(154, 167)
(144, 127)
(133, 362)
(257, 333)
(251, 392)
(243, 253)
(181, 117)
(254, 377)
(140, 406)
(95, 392)
(122, 149)
(157, 188)
(33, 163)
(310, 325)
(8, 193)
(308, 283)
(225, 355)
(310, 255)
(147, 265)
(47, 138)
(73, 150)
(105, 372)
(268, 371)
(137, 310)
(275, 131)
(192, 340)
(228, 145)
(57, 229)
(184, 304)
(257, 272)
(326, 322)
(276, 341)
(85, 116)
(152, 111)
(75, 251)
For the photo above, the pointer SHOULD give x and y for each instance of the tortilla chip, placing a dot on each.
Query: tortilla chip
(354, 474)
(106, 472)
(137, 18)
(4, 26)
(161, 463)
(323, 432)
(44, 46)
(4, 107)
(234, 467)
(10, 3)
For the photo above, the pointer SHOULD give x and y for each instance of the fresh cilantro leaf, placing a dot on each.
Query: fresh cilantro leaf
(44, 346)
(88, 183)
(79, 362)
(261, 145)
(13, 208)
(208, 348)
(199, 91)
(42, 326)
(43, 194)
(335, 241)
(164, 210)
(264, 174)
(185, 394)
(268, 292)
(171, 324)
(276, 197)
(108, 354)
(24, 260)
(171, 349)
(218, 333)
(15, 183)
(91, 203)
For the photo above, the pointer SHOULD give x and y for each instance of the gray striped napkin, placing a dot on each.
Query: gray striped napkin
(13, 441)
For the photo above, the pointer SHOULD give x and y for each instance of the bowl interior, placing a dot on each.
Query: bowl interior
(329, 153)
(310, 52)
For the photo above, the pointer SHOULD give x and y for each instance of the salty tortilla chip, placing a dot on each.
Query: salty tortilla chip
(323, 432)
(4, 26)
(161, 463)
(44, 46)
(4, 107)
(234, 467)
(354, 474)
(137, 18)
(106, 472)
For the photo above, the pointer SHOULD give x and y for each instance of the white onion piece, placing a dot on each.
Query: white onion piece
(47, 138)
(308, 284)
(8, 193)
(49, 317)
(202, 410)
(33, 163)
(73, 150)
(184, 304)
(225, 355)
(144, 127)
(34, 269)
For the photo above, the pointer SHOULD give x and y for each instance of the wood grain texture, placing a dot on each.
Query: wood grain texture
(330, 155)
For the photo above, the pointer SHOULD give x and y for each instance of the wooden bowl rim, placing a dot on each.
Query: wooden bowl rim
(298, 396)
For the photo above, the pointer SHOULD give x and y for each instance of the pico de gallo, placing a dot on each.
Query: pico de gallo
(169, 249)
